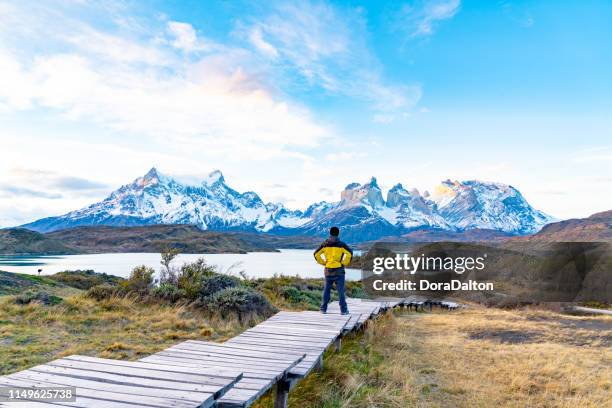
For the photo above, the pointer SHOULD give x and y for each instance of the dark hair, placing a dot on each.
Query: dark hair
(334, 231)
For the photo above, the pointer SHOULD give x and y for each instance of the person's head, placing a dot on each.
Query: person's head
(334, 231)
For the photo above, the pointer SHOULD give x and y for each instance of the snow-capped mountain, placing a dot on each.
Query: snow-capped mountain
(158, 199)
(362, 212)
(474, 204)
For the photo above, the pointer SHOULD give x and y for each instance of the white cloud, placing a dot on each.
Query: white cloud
(256, 38)
(184, 36)
(419, 19)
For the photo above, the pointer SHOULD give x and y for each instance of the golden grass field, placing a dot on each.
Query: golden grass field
(119, 327)
(476, 357)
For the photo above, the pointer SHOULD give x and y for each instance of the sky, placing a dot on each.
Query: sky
(295, 100)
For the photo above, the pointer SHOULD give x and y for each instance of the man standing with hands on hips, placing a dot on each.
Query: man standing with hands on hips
(334, 255)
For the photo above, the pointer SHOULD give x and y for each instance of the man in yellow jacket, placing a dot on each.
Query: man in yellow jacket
(334, 255)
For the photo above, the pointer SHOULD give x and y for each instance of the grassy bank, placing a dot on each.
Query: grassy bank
(114, 328)
(473, 358)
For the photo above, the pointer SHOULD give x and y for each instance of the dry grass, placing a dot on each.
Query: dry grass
(473, 358)
(114, 328)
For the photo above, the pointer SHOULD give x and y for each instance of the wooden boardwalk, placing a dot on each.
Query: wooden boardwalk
(277, 352)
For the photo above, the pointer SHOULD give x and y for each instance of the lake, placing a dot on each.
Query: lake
(255, 264)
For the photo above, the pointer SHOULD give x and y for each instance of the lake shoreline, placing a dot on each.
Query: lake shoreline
(288, 262)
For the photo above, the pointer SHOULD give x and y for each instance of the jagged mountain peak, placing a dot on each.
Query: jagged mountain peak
(152, 177)
(215, 177)
(356, 194)
(373, 183)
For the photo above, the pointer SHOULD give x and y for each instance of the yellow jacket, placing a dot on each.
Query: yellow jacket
(333, 254)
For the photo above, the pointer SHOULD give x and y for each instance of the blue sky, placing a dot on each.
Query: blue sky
(296, 100)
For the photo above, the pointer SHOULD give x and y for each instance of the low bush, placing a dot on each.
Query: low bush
(191, 277)
(140, 281)
(168, 292)
(41, 297)
(240, 301)
(215, 283)
(102, 292)
(296, 296)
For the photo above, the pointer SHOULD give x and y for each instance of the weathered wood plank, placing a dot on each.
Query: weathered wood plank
(217, 376)
(220, 350)
(119, 378)
(137, 372)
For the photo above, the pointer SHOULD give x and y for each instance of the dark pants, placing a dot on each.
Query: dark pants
(329, 282)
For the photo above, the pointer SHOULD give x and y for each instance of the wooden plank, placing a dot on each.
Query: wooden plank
(120, 379)
(218, 376)
(283, 353)
(272, 365)
(138, 372)
(282, 342)
(248, 372)
(248, 369)
(220, 349)
(281, 334)
(303, 327)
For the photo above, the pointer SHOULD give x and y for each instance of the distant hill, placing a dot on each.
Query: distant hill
(153, 238)
(16, 283)
(20, 241)
(150, 238)
(439, 235)
(597, 227)
(474, 235)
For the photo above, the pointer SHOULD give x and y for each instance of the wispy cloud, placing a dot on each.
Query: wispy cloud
(25, 182)
(319, 45)
(420, 18)
(13, 191)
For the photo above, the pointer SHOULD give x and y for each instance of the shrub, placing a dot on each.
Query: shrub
(168, 292)
(140, 280)
(297, 296)
(37, 296)
(292, 294)
(192, 276)
(102, 292)
(238, 300)
(215, 283)
(168, 273)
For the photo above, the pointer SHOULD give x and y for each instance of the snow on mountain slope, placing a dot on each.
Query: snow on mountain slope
(362, 212)
(158, 199)
(476, 204)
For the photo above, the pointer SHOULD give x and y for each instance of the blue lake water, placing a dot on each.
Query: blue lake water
(255, 264)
